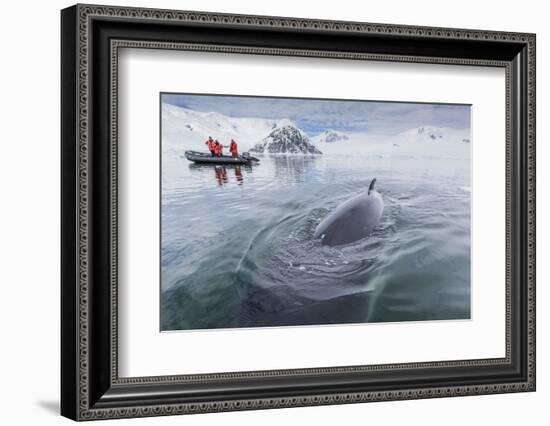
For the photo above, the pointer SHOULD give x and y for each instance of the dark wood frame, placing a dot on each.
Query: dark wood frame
(90, 38)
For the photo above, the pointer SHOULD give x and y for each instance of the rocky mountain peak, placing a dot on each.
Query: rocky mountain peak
(286, 139)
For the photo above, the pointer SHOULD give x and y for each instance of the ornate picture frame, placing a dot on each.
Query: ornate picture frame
(91, 37)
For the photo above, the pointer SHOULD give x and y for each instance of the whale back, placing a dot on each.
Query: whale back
(352, 220)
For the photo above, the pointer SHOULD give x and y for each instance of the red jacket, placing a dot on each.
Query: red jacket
(218, 149)
(233, 148)
(210, 145)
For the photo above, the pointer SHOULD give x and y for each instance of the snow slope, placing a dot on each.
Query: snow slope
(184, 129)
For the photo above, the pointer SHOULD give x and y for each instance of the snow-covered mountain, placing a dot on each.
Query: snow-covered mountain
(330, 136)
(431, 134)
(424, 134)
(184, 129)
(435, 141)
(287, 139)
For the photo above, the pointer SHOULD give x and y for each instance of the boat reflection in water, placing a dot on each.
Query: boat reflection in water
(239, 175)
(223, 174)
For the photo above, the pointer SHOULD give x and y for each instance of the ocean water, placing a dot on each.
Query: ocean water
(237, 247)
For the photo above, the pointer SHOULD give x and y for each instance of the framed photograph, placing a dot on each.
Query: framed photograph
(263, 212)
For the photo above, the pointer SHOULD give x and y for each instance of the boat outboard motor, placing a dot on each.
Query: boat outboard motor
(248, 157)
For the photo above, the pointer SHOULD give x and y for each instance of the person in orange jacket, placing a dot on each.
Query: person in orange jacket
(210, 143)
(234, 149)
(218, 149)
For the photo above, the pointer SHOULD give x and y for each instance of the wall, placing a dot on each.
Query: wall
(29, 229)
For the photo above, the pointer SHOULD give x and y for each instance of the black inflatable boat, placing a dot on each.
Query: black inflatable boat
(204, 158)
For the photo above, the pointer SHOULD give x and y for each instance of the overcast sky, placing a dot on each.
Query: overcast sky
(314, 116)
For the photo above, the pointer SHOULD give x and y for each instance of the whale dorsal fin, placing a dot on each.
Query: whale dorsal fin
(371, 186)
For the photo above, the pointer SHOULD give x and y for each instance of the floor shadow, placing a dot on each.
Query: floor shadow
(51, 406)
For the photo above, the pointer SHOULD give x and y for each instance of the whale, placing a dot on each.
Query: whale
(352, 220)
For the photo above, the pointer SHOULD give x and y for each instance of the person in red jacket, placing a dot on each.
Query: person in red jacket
(210, 144)
(218, 149)
(233, 149)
